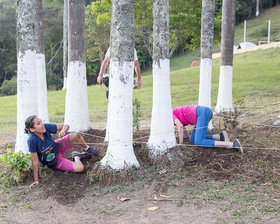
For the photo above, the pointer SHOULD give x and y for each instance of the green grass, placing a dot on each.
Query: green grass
(257, 27)
(256, 77)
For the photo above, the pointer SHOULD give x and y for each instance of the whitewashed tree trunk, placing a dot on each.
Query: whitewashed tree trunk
(277, 122)
(27, 102)
(41, 65)
(257, 7)
(65, 43)
(207, 35)
(76, 108)
(106, 139)
(120, 153)
(224, 102)
(162, 135)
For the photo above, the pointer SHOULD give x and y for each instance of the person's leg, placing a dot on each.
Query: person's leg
(204, 115)
(63, 145)
(67, 165)
(192, 135)
(76, 138)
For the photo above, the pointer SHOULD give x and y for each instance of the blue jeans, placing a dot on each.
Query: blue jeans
(107, 94)
(198, 135)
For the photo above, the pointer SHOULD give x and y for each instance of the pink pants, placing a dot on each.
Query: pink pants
(63, 144)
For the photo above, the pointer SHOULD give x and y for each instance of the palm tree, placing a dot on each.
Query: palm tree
(207, 34)
(41, 65)
(65, 43)
(120, 152)
(162, 128)
(224, 102)
(76, 108)
(27, 102)
(257, 7)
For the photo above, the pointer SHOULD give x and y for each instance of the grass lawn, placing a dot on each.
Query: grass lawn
(256, 78)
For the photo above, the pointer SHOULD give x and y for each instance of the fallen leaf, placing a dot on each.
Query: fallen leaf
(153, 208)
(164, 196)
(162, 171)
(124, 199)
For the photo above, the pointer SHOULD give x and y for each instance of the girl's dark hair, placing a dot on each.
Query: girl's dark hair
(29, 123)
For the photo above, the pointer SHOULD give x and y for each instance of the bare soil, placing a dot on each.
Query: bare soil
(125, 197)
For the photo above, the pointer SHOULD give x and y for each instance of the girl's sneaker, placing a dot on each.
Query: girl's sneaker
(237, 146)
(83, 155)
(224, 136)
(93, 151)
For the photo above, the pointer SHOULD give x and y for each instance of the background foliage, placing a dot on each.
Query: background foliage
(184, 34)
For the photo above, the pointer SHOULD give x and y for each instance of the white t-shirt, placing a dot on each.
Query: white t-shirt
(135, 54)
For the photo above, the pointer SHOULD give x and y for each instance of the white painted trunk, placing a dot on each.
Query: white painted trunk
(42, 88)
(224, 102)
(162, 135)
(76, 108)
(205, 82)
(64, 83)
(106, 139)
(277, 122)
(27, 102)
(204, 98)
(120, 153)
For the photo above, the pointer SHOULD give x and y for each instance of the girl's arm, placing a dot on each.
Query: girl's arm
(180, 130)
(62, 129)
(186, 133)
(35, 164)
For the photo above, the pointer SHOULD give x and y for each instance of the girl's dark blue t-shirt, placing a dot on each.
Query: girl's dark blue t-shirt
(36, 144)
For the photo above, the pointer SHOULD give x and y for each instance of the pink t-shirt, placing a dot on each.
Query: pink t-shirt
(186, 114)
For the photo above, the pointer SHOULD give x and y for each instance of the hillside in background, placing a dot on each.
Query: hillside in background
(257, 29)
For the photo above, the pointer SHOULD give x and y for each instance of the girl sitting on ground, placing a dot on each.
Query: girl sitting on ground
(200, 117)
(49, 152)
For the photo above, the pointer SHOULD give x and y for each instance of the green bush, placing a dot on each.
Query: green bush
(18, 166)
(9, 87)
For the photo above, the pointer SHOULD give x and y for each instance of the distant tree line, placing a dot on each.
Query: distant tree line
(184, 34)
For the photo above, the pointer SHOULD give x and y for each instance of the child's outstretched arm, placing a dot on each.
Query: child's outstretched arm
(62, 129)
(180, 130)
(35, 164)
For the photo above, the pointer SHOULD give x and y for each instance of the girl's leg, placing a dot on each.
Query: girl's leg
(76, 138)
(204, 115)
(67, 165)
(192, 137)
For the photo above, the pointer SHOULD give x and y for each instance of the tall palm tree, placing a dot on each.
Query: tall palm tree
(76, 108)
(120, 152)
(162, 128)
(27, 102)
(257, 7)
(41, 65)
(224, 102)
(207, 34)
(65, 43)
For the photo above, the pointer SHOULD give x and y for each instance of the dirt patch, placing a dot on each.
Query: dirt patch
(176, 186)
(218, 163)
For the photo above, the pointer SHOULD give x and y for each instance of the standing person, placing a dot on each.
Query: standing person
(200, 117)
(105, 63)
(49, 152)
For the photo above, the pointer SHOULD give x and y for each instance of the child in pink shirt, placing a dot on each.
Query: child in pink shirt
(200, 117)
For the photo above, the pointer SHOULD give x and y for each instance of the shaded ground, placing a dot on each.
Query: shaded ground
(199, 185)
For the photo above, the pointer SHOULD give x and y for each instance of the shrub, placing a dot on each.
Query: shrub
(9, 87)
(18, 165)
